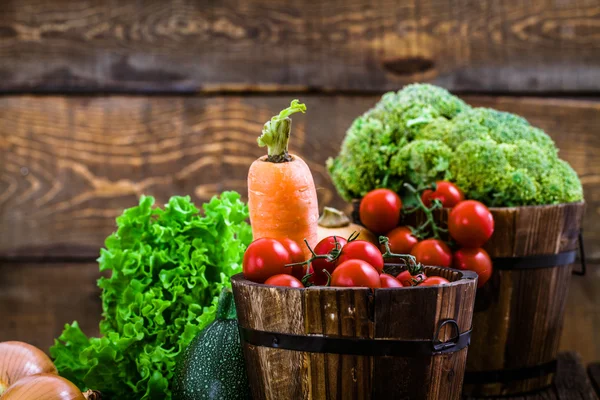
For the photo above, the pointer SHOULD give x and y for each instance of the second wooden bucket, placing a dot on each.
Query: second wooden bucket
(356, 343)
(519, 313)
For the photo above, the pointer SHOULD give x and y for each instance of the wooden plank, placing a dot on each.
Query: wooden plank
(190, 46)
(582, 316)
(69, 165)
(37, 300)
(570, 383)
(594, 374)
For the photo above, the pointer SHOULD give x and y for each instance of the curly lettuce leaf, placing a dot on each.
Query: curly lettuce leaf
(168, 267)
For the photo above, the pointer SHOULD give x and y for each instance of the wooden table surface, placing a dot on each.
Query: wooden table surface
(570, 383)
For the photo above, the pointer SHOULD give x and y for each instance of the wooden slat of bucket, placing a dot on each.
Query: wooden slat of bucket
(345, 313)
(280, 311)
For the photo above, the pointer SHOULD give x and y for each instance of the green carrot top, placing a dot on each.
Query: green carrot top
(276, 133)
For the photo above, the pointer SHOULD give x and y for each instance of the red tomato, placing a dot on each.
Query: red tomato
(434, 280)
(298, 271)
(324, 247)
(432, 252)
(388, 281)
(448, 193)
(471, 223)
(284, 280)
(380, 210)
(362, 250)
(264, 258)
(355, 273)
(476, 260)
(407, 279)
(401, 240)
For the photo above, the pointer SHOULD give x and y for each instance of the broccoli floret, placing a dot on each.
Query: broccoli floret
(438, 129)
(540, 138)
(363, 162)
(463, 130)
(423, 133)
(478, 167)
(528, 156)
(422, 162)
(560, 184)
(415, 106)
(516, 188)
(420, 94)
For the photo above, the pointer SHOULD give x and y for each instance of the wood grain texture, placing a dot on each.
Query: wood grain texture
(582, 316)
(70, 165)
(519, 314)
(356, 313)
(266, 45)
(594, 374)
(37, 300)
(570, 383)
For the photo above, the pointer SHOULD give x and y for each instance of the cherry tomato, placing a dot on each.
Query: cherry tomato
(476, 260)
(407, 279)
(388, 281)
(284, 280)
(434, 280)
(362, 250)
(471, 223)
(446, 192)
(324, 247)
(432, 252)
(401, 240)
(264, 258)
(380, 210)
(298, 271)
(355, 273)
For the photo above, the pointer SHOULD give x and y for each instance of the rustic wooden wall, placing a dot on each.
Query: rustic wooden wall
(101, 101)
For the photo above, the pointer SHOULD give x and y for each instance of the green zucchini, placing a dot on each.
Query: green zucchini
(212, 366)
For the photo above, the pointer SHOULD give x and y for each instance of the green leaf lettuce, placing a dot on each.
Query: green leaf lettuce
(168, 267)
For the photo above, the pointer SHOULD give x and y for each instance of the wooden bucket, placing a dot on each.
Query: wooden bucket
(356, 343)
(519, 313)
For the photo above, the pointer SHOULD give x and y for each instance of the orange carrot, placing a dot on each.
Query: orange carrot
(281, 192)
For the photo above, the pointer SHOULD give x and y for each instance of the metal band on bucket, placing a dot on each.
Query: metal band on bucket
(537, 261)
(358, 346)
(544, 260)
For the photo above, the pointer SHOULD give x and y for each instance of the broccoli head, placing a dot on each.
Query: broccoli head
(423, 133)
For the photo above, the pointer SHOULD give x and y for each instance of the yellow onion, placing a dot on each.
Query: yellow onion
(43, 387)
(18, 360)
(335, 222)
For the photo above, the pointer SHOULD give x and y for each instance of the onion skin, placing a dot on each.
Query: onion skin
(18, 360)
(43, 387)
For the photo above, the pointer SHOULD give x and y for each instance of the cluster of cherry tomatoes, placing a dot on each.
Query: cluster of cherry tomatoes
(470, 225)
(336, 261)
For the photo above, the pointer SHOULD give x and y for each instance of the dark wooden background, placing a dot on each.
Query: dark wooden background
(103, 100)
